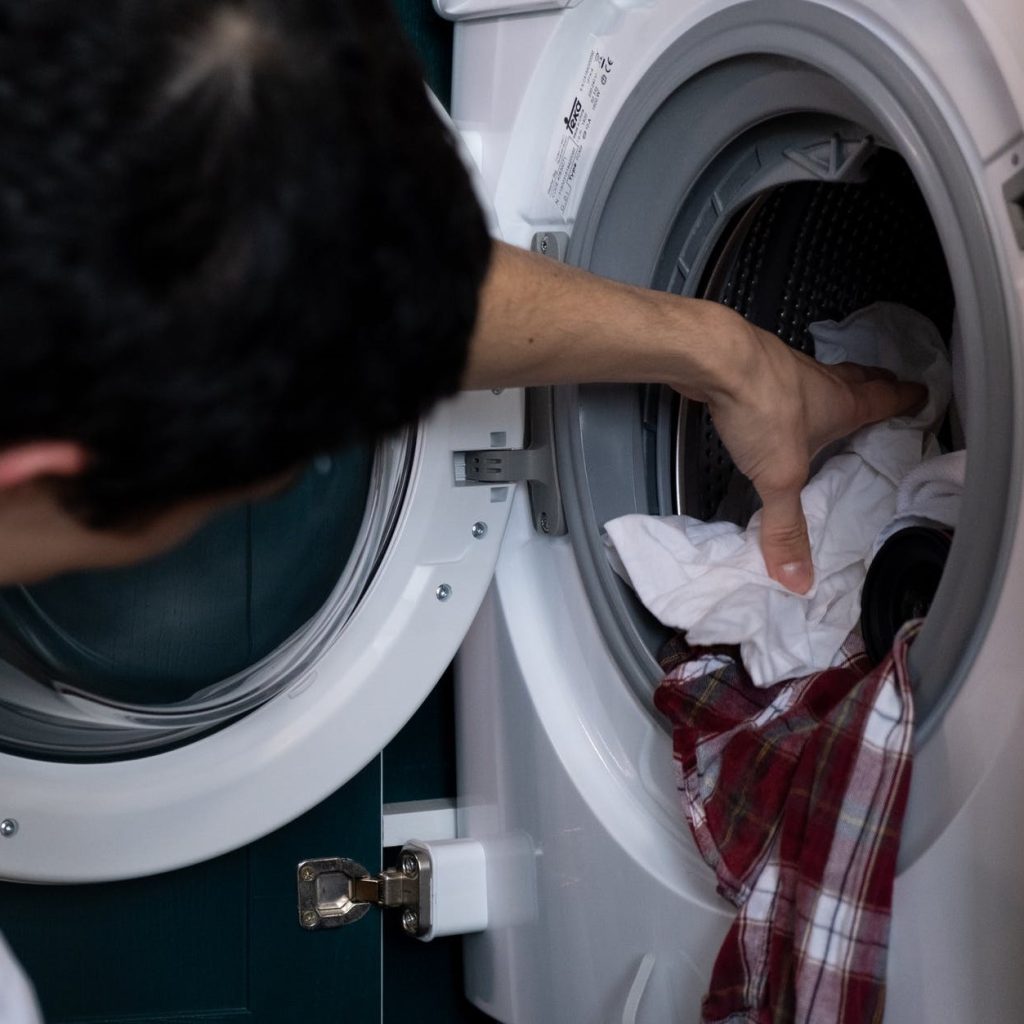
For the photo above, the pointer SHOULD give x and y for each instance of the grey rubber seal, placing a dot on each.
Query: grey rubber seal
(743, 78)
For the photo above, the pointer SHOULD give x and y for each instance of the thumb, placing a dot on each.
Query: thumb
(784, 542)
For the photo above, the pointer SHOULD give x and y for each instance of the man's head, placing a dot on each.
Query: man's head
(232, 234)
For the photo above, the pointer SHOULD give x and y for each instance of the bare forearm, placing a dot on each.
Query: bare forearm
(541, 322)
(544, 323)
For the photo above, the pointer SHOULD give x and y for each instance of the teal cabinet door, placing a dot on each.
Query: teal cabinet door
(432, 38)
(211, 944)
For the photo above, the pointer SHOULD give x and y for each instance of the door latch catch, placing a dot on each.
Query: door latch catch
(536, 464)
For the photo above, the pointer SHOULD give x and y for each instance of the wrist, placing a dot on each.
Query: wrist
(721, 351)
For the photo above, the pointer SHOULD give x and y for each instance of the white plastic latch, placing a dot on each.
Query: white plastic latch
(457, 893)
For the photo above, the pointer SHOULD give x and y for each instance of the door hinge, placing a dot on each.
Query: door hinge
(336, 891)
(535, 464)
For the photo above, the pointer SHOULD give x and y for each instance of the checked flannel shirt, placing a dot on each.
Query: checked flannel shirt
(795, 794)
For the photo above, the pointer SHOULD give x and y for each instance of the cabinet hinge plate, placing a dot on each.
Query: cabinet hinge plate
(336, 891)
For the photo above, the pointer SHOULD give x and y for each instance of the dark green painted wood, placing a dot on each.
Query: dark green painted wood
(216, 942)
(432, 38)
(419, 763)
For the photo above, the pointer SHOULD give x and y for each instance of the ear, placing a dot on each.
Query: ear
(32, 461)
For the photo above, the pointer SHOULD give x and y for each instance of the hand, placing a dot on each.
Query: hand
(775, 409)
(542, 322)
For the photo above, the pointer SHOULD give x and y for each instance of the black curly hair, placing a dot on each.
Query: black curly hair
(233, 234)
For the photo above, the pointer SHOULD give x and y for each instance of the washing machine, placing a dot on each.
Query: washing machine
(796, 160)
(792, 159)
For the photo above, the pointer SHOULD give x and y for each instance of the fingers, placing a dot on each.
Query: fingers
(854, 373)
(879, 394)
(880, 399)
(784, 543)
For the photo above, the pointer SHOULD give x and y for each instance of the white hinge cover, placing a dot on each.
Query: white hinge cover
(462, 10)
(457, 893)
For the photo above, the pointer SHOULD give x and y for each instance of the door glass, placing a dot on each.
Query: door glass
(123, 661)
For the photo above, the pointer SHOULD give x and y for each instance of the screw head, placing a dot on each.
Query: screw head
(307, 874)
(410, 865)
(443, 592)
(479, 530)
(310, 918)
(496, 391)
(410, 920)
(8, 828)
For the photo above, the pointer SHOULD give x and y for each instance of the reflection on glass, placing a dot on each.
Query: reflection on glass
(159, 633)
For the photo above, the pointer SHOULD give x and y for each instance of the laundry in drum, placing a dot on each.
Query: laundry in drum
(709, 578)
(911, 551)
(795, 795)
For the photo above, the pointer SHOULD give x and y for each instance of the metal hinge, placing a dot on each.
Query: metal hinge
(439, 886)
(336, 891)
(534, 464)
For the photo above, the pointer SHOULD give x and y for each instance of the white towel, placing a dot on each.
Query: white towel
(929, 495)
(710, 578)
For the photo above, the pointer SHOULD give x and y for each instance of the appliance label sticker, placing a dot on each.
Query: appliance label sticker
(570, 146)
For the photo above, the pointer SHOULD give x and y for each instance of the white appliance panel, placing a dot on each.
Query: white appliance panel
(561, 767)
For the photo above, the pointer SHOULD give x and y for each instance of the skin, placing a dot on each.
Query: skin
(539, 323)
(39, 539)
(545, 323)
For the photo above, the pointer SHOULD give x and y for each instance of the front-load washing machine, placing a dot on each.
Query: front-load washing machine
(796, 160)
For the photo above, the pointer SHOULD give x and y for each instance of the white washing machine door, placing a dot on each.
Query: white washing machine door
(101, 785)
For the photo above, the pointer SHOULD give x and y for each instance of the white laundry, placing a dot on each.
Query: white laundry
(929, 495)
(17, 1000)
(710, 579)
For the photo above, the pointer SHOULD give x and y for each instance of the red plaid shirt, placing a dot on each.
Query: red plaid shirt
(795, 794)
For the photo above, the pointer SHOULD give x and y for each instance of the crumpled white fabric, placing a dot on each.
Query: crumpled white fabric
(710, 578)
(17, 1000)
(929, 495)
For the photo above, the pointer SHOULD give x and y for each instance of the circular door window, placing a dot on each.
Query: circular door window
(102, 665)
(762, 183)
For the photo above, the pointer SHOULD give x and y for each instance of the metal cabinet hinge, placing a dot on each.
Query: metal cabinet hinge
(535, 464)
(336, 891)
(440, 888)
